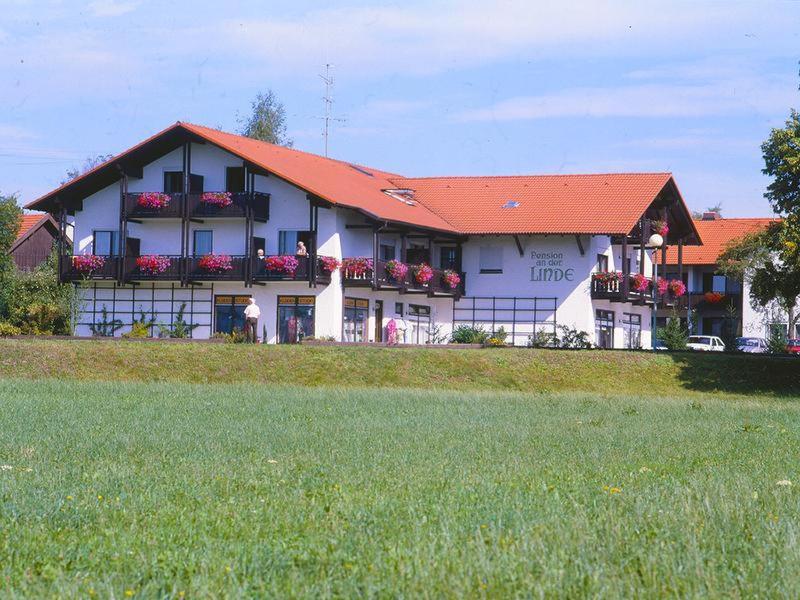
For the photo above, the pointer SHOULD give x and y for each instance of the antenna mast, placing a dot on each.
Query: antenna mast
(328, 101)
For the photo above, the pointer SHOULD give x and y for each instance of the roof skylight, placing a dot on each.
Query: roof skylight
(362, 170)
(511, 204)
(406, 196)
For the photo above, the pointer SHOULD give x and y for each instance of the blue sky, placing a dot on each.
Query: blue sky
(425, 88)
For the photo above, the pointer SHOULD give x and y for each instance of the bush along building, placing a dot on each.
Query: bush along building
(715, 304)
(189, 224)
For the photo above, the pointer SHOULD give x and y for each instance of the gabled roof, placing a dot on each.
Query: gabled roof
(531, 204)
(30, 223)
(716, 234)
(603, 203)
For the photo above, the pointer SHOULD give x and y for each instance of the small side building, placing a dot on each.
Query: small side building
(37, 235)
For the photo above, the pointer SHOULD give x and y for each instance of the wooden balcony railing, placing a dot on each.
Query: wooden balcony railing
(608, 286)
(173, 272)
(195, 270)
(193, 206)
(381, 279)
(705, 301)
(71, 269)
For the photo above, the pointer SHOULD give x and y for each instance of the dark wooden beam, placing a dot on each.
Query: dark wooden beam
(364, 226)
(580, 245)
(520, 249)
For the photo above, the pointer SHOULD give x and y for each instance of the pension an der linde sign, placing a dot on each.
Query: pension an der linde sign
(549, 266)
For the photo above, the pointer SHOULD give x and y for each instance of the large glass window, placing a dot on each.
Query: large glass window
(604, 328)
(173, 182)
(491, 259)
(602, 263)
(632, 330)
(287, 241)
(203, 242)
(419, 320)
(295, 318)
(105, 243)
(448, 258)
(356, 318)
(229, 313)
(387, 252)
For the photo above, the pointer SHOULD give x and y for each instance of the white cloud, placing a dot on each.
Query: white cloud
(14, 132)
(734, 96)
(110, 8)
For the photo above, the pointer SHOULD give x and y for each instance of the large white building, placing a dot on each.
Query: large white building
(179, 220)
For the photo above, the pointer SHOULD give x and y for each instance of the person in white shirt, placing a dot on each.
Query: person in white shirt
(251, 315)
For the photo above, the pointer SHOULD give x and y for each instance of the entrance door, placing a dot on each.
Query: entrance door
(295, 318)
(378, 320)
(604, 328)
(229, 313)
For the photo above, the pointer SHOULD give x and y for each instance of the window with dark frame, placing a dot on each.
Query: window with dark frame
(173, 182)
(234, 180)
(491, 260)
(604, 328)
(105, 242)
(632, 330)
(203, 242)
(602, 263)
(387, 252)
(398, 308)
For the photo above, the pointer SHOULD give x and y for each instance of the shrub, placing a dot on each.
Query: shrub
(573, 339)
(777, 341)
(179, 328)
(464, 334)
(140, 328)
(105, 327)
(7, 329)
(498, 339)
(543, 339)
(674, 335)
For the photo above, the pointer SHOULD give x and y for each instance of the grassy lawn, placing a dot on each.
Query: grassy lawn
(168, 489)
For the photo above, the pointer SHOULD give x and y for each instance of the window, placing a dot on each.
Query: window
(714, 283)
(419, 330)
(491, 259)
(173, 182)
(448, 258)
(234, 179)
(105, 243)
(602, 263)
(387, 252)
(632, 330)
(356, 318)
(287, 241)
(604, 328)
(295, 318)
(203, 242)
(398, 308)
(229, 313)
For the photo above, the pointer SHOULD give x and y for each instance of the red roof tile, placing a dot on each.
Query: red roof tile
(30, 221)
(715, 234)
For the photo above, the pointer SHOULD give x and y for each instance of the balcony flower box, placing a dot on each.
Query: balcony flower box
(640, 283)
(608, 277)
(451, 279)
(218, 199)
(674, 287)
(215, 263)
(86, 263)
(423, 274)
(661, 227)
(356, 267)
(397, 270)
(153, 264)
(286, 264)
(714, 297)
(329, 263)
(153, 200)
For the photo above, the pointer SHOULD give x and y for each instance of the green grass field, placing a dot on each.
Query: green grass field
(172, 489)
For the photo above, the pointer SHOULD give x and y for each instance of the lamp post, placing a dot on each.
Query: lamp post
(655, 242)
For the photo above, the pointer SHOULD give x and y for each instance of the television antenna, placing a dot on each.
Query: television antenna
(327, 99)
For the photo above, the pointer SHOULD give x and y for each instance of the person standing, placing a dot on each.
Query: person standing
(251, 315)
(301, 249)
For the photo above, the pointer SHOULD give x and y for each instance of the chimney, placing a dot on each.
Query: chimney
(711, 216)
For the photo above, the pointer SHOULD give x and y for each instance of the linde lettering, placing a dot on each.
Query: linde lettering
(549, 266)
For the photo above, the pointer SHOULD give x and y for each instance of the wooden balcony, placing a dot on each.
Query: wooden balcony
(260, 271)
(604, 287)
(381, 279)
(173, 272)
(194, 206)
(195, 270)
(710, 303)
(69, 269)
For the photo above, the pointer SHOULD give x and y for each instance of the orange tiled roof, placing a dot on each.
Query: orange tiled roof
(31, 221)
(588, 204)
(715, 235)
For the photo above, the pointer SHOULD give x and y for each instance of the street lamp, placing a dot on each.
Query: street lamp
(655, 242)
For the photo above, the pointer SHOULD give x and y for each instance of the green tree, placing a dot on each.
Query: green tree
(10, 221)
(782, 162)
(267, 121)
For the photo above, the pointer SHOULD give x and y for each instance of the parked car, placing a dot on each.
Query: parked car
(793, 346)
(707, 343)
(751, 345)
(660, 345)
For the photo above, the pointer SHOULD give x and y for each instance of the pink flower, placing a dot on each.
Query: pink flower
(396, 270)
(153, 264)
(423, 273)
(282, 264)
(215, 263)
(219, 199)
(154, 200)
(87, 263)
(356, 267)
(640, 283)
(451, 278)
(329, 263)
